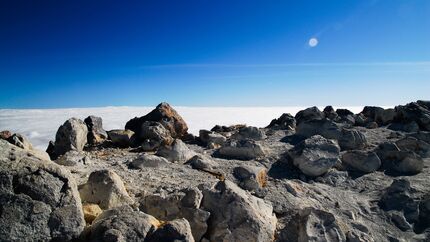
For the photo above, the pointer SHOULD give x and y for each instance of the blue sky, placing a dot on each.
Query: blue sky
(213, 53)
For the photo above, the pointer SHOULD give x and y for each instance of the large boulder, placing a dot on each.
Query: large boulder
(21, 141)
(399, 161)
(96, 133)
(211, 139)
(203, 163)
(72, 135)
(105, 188)
(148, 160)
(153, 135)
(351, 139)
(121, 138)
(417, 112)
(315, 155)
(330, 113)
(372, 113)
(236, 215)
(178, 204)
(39, 199)
(324, 127)
(251, 178)
(311, 113)
(411, 143)
(285, 122)
(121, 224)
(165, 115)
(73, 158)
(249, 132)
(177, 152)
(177, 230)
(242, 150)
(361, 161)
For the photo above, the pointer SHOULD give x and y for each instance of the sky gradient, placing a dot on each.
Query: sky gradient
(56, 54)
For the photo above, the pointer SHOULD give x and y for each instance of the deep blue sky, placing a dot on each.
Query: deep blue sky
(213, 53)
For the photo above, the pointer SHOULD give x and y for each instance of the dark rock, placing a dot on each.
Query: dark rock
(285, 122)
(361, 161)
(121, 138)
(251, 178)
(344, 112)
(399, 161)
(72, 135)
(352, 140)
(315, 155)
(413, 144)
(242, 150)
(249, 132)
(39, 199)
(177, 230)
(405, 127)
(372, 113)
(21, 141)
(211, 139)
(202, 163)
(96, 133)
(330, 113)
(308, 114)
(414, 112)
(324, 127)
(165, 115)
(153, 135)
(5, 134)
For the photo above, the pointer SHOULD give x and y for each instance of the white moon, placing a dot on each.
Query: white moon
(313, 42)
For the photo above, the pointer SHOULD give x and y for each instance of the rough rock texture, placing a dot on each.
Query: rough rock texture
(91, 212)
(237, 215)
(308, 114)
(203, 163)
(173, 231)
(153, 135)
(121, 138)
(20, 141)
(251, 177)
(96, 133)
(361, 161)
(106, 189)
(316, 155)
(148, 160)
(352, 140)
(242, 150)
(5, 134)
(417, 112)
(285, 122)
(249, 132)
(211, 139)
(39, 199)
(324, 127)
(177, 152)
(121, 224)
(73, 158)
(72, 135)
(165, 115)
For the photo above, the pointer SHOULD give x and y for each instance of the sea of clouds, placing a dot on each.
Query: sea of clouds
(40, 125)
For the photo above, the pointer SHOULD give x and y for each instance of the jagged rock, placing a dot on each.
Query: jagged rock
(361, 161)
(96, 133)
(242, 150)
(401, 161)
(421, 135)
(424, 214)
(72, 135)
(399, 220)
(308, 114)
(285, 122)
(344, 112)
(372, 113)
(319, 226)
(387, 116)
(324, 127)
(211, 139)
(121, 138)
(352, 140)
(330, 113)
(315, 155)
(345, 116)
(177, 230)
(178, 152)
(39, 199)
(397, 197)
(251, 177)
(91, 212)
(414, 112)
(203, 163)
(148, 160)
(5, 134)
(180, 204)
(413, 144)
(249, 132)
(73, 158)
(153, 135)
(121, 224)
(106, 189)
(236, 215)
(165, 115)
(21, 141)
(227, 129)
(360, 120)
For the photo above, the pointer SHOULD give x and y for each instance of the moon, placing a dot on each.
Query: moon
(313, 42)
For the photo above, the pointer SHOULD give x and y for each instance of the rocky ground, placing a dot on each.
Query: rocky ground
(326, 175)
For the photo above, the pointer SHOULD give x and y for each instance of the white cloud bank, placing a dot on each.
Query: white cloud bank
(40, 125)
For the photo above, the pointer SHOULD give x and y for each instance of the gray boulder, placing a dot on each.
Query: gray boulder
(315, 155)
(361, 161)
(39, 199)
(211, 139)
(177, 152)
(203, 163)
(330, 113)
(73, 158)
(21, 141)
(242, 150)
(249, 132)
(311, 113)
(121, 224)
(324, 127)
(251, 178)
(96, 133)
(415, 145)
(285, 122)
(351, 139)
(72, 135)
(236, 215)
(399, 161)
(121, 138)
(179, 204)
(148, 160)
(153, 135)
(418, 112)
(105, 188)
(177, 230)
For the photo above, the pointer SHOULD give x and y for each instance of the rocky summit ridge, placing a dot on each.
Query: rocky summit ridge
(321, 175)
